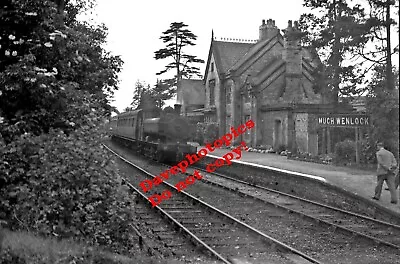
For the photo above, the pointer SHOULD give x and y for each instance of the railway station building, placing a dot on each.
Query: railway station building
(271, 81)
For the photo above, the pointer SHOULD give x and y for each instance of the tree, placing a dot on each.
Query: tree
(140, 89)
(176, 38)
(161, 92)
(335, 35)
(383, 107)
(380, 51)
(158, 93)
(55, 82)
(48, 74)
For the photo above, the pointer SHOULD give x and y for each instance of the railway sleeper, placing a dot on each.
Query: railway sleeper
(201, 222)
(187, 208)
(213, 235)
(167, 235)
(229, 242)
(187, 216)
(158, 229)
(184, 211)
(167, 203)
(144, 216)
(174, 243)
(153, 221)
(241, 249)
(354, 226)
(211, 228)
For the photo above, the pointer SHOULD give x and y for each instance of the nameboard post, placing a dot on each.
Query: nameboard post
(357, 146)
(355, 121)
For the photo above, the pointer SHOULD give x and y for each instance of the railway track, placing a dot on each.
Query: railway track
(317, 239)
(380, 232)
(214, 231)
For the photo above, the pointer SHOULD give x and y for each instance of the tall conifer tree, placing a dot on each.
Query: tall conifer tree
(176, 38)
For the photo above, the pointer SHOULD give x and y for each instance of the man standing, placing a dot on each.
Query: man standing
(385, 171)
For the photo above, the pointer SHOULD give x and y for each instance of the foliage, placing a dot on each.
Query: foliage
(161, 92)
(335, 34)
(44, 67)
(280, 148)
(138, 93)
(345, 151)
(210, 132)
(368, 150)
(65, 186)
(25, 247)
(155, 96)
(322, 158)
(199, 137)
(381, 22)
(383, 107)
(206, 133)
(176, 38)
(55, 84)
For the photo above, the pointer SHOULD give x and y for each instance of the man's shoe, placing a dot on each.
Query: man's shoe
(375, 198)
(387, 189)
(393, 202)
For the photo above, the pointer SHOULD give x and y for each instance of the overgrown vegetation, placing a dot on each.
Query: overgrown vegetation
(55, 83)
(23, 248)
(206, 133)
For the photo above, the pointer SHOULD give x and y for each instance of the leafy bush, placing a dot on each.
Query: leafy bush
(199, 137)
(383, 107)
(345, 151)
(210, 132)
(280, 148)
(206, 133)
(45, 69)
(65, 186)
(55, 83)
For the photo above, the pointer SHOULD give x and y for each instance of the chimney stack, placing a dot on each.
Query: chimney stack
(267, 30)
(293, 57)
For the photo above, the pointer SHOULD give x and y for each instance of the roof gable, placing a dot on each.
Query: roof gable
(255, 53)
(226, 54)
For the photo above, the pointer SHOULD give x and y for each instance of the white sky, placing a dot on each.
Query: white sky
(136, 26)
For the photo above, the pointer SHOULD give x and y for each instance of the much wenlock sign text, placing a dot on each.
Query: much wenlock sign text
(343, 120)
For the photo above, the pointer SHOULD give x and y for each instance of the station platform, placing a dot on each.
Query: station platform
(357, 181)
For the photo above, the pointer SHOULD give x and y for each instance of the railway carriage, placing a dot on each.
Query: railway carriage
(163, 138)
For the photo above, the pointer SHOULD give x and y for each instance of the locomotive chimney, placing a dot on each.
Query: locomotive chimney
(178, 108)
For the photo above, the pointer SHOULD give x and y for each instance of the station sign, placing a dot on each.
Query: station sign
(343, 120)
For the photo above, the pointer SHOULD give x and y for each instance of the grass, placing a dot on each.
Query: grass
(24, 247)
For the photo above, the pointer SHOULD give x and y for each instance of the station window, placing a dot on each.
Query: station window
(228, 94)
(212, 67)
(211, 87)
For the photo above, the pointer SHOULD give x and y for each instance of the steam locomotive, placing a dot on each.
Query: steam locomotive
(162, 138)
